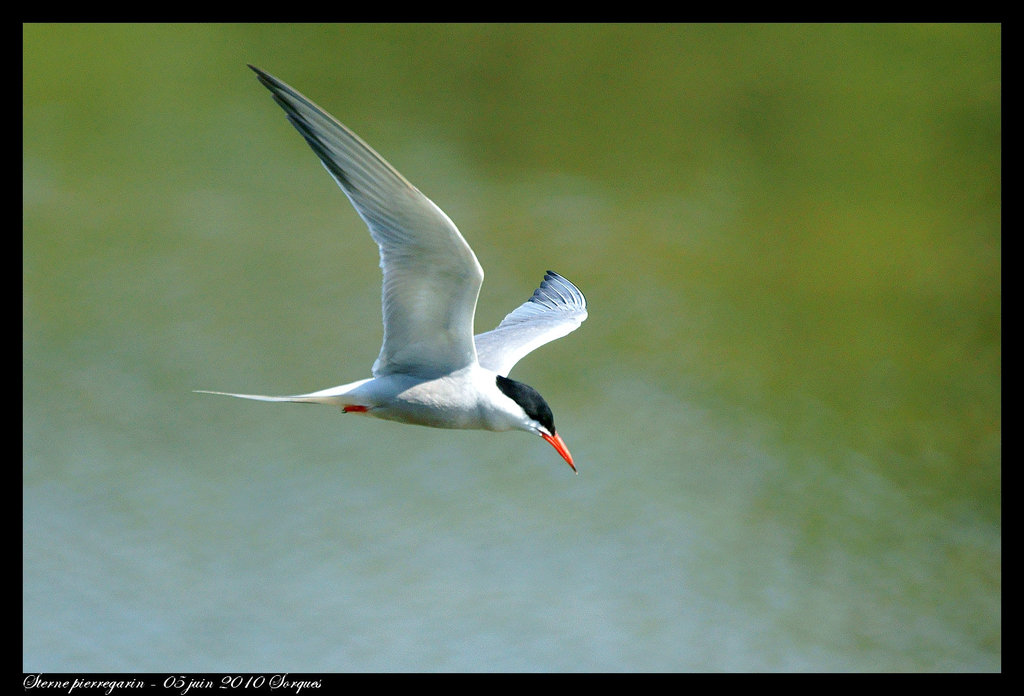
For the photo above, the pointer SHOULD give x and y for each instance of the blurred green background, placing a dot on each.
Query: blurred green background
(785, 405)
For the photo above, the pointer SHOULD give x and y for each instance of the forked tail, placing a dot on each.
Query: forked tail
(335, 396)
(299, 398)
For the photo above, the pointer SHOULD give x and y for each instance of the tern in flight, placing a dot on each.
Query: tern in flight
(431, 369)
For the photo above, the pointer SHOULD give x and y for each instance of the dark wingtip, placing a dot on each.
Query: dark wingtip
(268, 80)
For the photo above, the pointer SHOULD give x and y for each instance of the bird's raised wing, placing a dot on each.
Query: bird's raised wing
(556, 309)
(431, 276)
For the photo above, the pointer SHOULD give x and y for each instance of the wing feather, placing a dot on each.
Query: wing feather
(556, 308)
(431, 276)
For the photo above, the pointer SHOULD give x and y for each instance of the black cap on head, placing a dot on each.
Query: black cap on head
(530, 400)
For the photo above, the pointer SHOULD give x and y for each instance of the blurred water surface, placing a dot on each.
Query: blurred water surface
(785, 405)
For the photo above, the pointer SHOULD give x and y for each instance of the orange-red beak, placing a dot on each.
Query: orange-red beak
(559, 444)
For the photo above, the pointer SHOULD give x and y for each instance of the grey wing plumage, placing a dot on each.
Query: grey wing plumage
(431, 276)
(556, 309)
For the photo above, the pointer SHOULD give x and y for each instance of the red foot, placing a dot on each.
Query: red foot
(354, 409)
